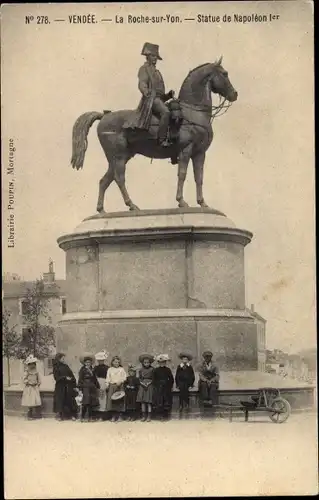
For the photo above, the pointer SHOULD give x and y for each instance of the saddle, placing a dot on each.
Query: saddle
(175, 122)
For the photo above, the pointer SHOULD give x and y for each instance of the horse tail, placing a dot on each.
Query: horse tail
(79, 136)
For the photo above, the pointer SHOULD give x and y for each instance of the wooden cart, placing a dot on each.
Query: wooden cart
(267, 400)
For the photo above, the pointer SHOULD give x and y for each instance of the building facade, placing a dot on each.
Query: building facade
(293, 366)
(261, 338)
(13, 299)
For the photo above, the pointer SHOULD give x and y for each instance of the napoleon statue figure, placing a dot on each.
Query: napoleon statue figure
(152, 88)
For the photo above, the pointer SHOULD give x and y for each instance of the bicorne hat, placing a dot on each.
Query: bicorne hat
(151, 49)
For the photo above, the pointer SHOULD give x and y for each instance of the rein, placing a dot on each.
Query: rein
(214, 111)
(220, 109)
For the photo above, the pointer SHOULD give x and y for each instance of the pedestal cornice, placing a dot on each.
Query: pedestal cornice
(155, 225)
(199, 314)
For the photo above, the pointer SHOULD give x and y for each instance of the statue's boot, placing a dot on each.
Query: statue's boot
(163, 130)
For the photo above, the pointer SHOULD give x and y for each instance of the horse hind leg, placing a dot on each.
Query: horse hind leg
(106, 180)
(119, 175)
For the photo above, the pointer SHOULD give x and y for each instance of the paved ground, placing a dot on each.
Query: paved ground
(48, 459)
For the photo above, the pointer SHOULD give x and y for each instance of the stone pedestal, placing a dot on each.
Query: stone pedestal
(158, 281)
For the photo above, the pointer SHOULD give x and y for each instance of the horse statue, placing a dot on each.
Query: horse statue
(194, 136)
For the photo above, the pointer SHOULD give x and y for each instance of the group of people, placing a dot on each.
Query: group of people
(105, 392)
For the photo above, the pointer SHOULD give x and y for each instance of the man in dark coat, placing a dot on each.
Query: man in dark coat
(208, 384)
(152, 88)
(163, 382)
(64, 404)
(184, 379)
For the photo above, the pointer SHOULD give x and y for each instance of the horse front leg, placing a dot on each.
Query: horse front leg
(183, 161)
(198, 168)
(106, 180)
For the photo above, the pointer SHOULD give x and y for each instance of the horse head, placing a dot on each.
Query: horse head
(220, 83)
(206, 79)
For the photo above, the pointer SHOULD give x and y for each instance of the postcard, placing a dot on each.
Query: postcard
(158, 201)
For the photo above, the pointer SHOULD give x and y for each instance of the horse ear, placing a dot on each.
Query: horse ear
(220, 60)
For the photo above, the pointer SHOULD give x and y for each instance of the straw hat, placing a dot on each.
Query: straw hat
(185, 355)
(101, 356)
(85, 357)
(142, 357)
(163, 357)
(117, 395)
(30, 359)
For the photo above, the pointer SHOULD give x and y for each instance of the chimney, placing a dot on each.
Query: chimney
(252, 308)
(50, 276)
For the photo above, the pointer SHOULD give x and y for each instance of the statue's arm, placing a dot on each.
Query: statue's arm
(143, 82)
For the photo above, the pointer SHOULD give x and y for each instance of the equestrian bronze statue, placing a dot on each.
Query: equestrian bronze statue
(160, 127)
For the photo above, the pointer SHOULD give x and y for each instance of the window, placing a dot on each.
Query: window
(63, 305)
(23, 309)
(25, 332)
(48, 366)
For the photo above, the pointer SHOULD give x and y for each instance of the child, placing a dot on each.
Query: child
(115, 379)
(163, 383)
(145, 392)
(131, 388)
(100, 370)
(79, 399)
(184, 379)
(31, 393)
(88, 385)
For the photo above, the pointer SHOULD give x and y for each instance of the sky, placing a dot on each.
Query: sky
(259, 169)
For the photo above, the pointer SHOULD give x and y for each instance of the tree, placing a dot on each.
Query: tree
(40, 336)
(10, 340)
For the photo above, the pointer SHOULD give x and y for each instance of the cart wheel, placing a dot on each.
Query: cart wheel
(285, 410)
